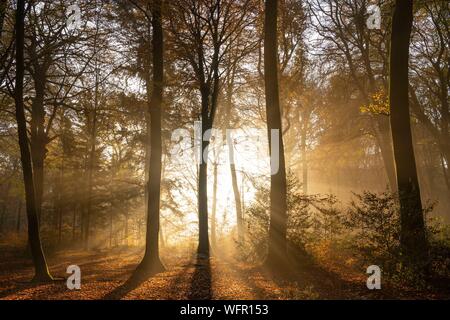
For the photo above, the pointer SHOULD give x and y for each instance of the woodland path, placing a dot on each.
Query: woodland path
(187, 277)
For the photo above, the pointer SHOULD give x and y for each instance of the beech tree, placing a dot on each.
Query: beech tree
(151, 262)
(40, 265)
(412, 238)
(278, 207)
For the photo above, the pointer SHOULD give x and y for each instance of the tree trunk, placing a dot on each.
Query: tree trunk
(2, 217)
(4, 206)
(412, 236)
(59, 203)
(444, 172)
(38, 136)
(2, 15)
(231, 159)
(40, 265)
(203, 237)
(19, 213)
(151, 262)
(304, 133)
(110, 227)
(387, 154)
(277, 252)
(236, 194)
(162, 240)
(214, 207)
(74, 222)
(92, 142)
(126, 229)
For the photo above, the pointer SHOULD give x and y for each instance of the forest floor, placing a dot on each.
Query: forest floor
(104, 276)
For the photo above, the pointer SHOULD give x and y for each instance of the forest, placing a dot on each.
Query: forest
(224, 149)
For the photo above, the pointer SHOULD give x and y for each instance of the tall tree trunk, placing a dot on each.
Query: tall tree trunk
(110, 227)
(2, 15)
(4, 206)
(126, 229)
(214, 206)
(151, 262)
(236, 193)
(162, 240)
(304, 133)
(19, 213)
(90, 180)
(206, 124)
(38, 135)
(277, 252)
(444, 172)
(40, 265)
(91, 161)
(203, 237)
(74, 222)
(231, 159)
(59, 203)
(2, 217)
(412, 236)
(387, 154)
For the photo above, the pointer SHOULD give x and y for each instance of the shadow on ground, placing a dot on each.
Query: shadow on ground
(200, 288)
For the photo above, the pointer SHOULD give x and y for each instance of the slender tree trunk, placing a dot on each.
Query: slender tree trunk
(214, 206)
(40, 265)
(231, 159)
(412, 236)
(203, 237)
(2, 217)
(5, 206)
(92, 139)
(19, 213)
(444, 172)
(74, 222)
(236, 193)
(59, 204)
(277, 252)
(110, 227)
(304, 132)
(162, 240)
(126, 229)
(2, 15)
(387, 154)
(38, 136)
(151, 262)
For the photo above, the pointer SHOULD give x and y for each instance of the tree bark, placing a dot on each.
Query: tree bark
(74, 222)
(214, 206)
(277, 252)
(91, 164)
(40, 264)
(304, 133)
(203, 237)
(59, 201)
(386, 148)
(38, 136)
(151, 262)
(19, 213)
(236, 194)
(4, 206)
(412, 235)
(2, 15)
(231, 159)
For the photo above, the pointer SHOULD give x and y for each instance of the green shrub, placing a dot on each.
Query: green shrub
(310, 217)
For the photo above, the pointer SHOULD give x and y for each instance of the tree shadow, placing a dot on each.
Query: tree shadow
(306, 272)
(136, 279)
(201, 280)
